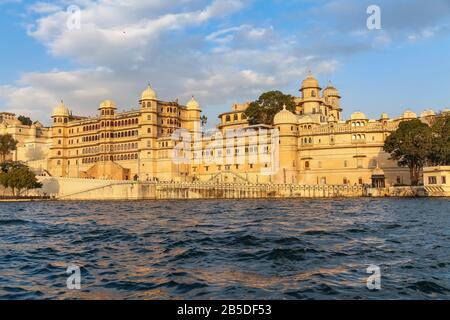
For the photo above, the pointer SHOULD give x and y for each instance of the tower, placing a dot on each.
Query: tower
(311, 100)
(333, 102)
(58, 156)
(193, 116)
(148, 133)
(287, 124)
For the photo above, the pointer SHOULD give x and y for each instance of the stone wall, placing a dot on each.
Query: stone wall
(91, 189)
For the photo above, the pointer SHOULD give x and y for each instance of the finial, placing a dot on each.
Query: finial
(284, 106)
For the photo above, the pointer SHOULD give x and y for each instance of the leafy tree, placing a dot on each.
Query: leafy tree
(440, 151)
(25, 120)
(410, 145)
(5, 166)
(263, 110)
(19, 178)
(7, 145)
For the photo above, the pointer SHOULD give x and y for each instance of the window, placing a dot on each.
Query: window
(228, 118)
(432, 180)
(444, 180)
(313, 94)
(307, 166)
(345, 164)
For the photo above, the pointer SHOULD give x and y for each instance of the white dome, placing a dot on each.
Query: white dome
(193, 104)
(61, 110)
(428, 113)
(358, 116)
(310, 82)
(285, 117)
(331, 91)
(148, 94)
(107, 104)
(408, 114)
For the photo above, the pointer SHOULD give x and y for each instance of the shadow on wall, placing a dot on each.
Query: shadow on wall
(50, 186)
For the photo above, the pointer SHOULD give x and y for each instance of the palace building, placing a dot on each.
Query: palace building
(313, 145)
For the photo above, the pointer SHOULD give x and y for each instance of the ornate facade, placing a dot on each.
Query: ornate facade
(314, 145)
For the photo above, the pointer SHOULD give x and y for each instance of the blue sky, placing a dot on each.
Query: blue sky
(223, 52)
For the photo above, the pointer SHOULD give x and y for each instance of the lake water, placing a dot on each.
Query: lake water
(255, 249)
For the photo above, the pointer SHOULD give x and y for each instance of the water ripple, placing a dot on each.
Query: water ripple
(286, 249)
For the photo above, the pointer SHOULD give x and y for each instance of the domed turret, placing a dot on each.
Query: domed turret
(148, 94)
(285, 117)
(193, 104)
(384, 116)
(358, 116)
(107, 104)
(331, 91)
(428, 113)
(61, 110)
(310, 82)
(408, 114)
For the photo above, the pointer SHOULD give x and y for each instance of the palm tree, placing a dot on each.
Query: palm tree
(7, 145)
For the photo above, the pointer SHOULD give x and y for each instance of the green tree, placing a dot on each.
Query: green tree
(7, 145)
(440, 151)
(263, 110)
(19, 178)
(25, 120)
(5, 166)
(410, 145)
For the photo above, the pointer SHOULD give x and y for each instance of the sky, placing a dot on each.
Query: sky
(222, 52)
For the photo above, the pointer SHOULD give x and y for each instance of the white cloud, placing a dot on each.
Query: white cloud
(124, 44)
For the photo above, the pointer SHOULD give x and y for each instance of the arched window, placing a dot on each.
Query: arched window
(307, 165)
(313, 93)
(228, 118)
(236, 118)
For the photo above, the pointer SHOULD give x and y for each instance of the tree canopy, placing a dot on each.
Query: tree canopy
(263, 110)
(7, 145)
(26, 121)
(410, 145)
(18, 177)
(440, 150)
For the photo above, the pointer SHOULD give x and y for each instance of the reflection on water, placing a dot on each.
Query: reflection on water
(287, 249)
